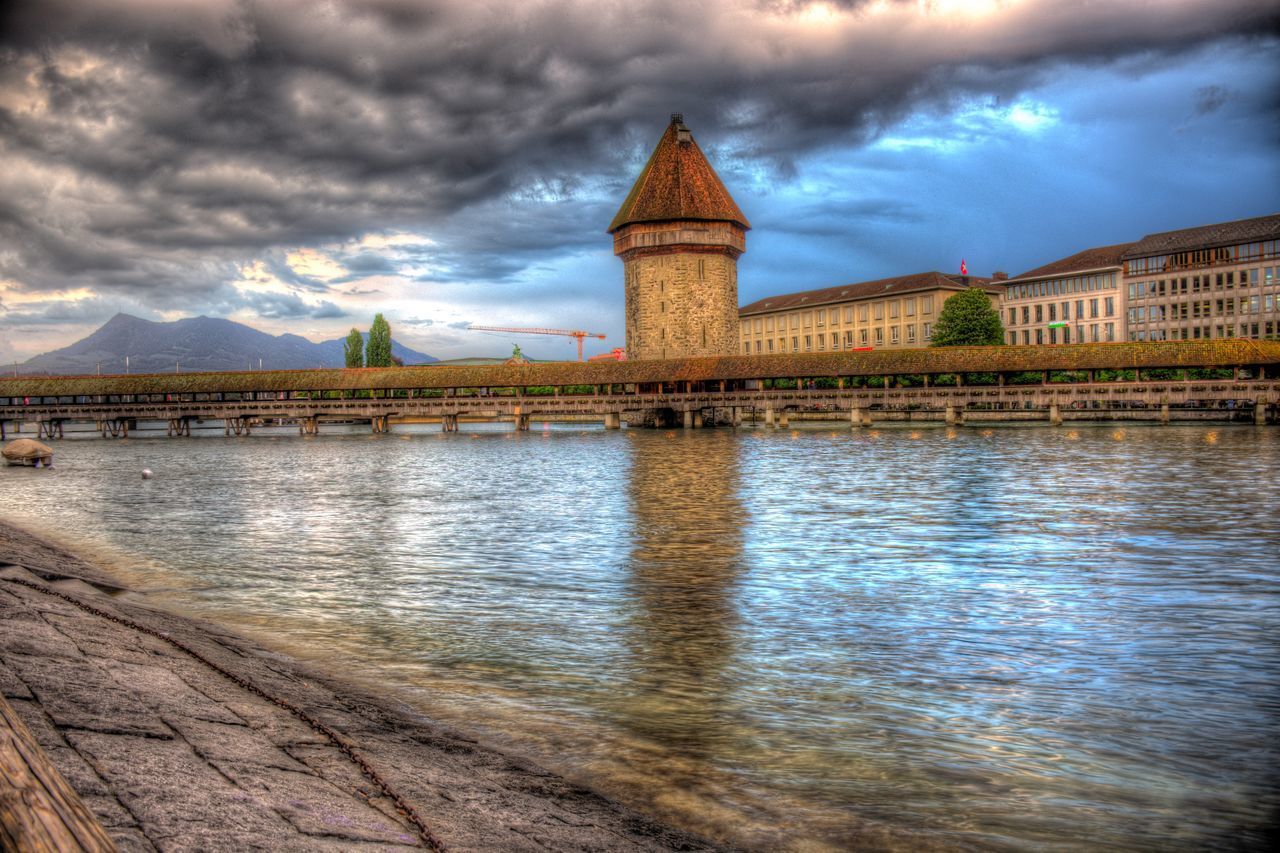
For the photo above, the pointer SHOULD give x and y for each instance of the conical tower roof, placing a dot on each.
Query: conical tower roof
(678, 183)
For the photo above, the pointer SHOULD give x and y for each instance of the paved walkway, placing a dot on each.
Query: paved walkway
(171, 755)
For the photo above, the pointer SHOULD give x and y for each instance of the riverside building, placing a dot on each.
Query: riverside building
(1073, 300)
(890, 313)
(1211, 281)
(1214, 281)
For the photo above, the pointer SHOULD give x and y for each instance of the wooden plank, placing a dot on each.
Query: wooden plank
(39, 811)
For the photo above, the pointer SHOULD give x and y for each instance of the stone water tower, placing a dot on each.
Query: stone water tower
(679, 234)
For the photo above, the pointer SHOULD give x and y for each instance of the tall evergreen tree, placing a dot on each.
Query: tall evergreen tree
(353, 349)
(968, 319)
(378, 351)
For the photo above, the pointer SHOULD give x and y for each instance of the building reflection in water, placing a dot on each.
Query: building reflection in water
(685, 564)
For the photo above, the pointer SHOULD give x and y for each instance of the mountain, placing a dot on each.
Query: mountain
(196, 343)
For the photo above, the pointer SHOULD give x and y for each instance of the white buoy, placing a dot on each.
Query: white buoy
(146, 473)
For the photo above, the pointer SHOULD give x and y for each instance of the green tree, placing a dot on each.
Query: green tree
(378, 351)
(967, 319)
(353, 350)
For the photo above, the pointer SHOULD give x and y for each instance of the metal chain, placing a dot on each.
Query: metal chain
(428, 837)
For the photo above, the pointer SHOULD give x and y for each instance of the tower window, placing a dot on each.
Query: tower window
(702, 268)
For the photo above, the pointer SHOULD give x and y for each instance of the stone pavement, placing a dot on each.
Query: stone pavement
(171, 755)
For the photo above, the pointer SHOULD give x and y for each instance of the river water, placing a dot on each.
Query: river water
(1014, 638)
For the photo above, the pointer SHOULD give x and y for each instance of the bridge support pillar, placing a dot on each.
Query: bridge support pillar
(1164, 413)
(855, 418)
(949, 415)
(381, 423)
(1260, 412)
(697, 420)
(309, 425)
(179, 426)
(688, 419)
(522, 422)
(1055, 415)
(449, 423)
(612, 420)
(236, 426)
(49, 429)
(768, 417)
(784, 420)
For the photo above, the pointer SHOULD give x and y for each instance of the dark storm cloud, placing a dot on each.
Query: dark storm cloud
(289, 305)
(155, 149)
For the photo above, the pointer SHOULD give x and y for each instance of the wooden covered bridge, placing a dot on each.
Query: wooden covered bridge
(1150, 380)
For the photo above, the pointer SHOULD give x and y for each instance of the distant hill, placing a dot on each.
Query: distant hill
(197, 343)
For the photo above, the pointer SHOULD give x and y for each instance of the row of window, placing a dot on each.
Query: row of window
(1267, 277)
(1060, 286)
(897, 335)
(1269, 329)
(1053, 312)
(1097, 333)
(1262, 304)
(1204, 257)
(831, 316)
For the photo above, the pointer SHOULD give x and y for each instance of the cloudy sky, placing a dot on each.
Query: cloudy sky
(301, 164)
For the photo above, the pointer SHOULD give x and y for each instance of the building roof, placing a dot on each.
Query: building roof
(867, 290)
(1207, 236)
(1098, 258)
(678, 183)
(933, 360)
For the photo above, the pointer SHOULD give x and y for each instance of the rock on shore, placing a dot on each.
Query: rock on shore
(170, 754)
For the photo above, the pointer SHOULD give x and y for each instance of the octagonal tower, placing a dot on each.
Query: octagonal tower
(679, 234)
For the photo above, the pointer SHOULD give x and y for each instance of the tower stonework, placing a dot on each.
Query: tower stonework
(679, 234)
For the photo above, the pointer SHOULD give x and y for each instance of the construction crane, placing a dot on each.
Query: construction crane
(566, 332)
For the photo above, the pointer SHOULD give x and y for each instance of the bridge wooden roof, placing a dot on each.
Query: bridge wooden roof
(1149, 354)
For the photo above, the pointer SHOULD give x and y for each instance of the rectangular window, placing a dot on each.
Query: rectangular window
(1066, 310)
(1013, 316)
(1111, 331)
(1040, 313)
(822, 317)
(926, 329)
(862, 313)
(910, 307)
(1053, 312)
(746, 345)
(795, 321)
(894, 308)
(878, 310)
(1093, 332)
(879, 336)
(926, 305)
(758, 346)
(911, 334)
(759, 326)
(848, 315)
(808, 319)
(1066, 334)
(1111, 306)
(848, 339)
(1039, 336)
(862, 337)
(893, 335)
(1026, 315)
(768, 324)
(795, 344)
(822, 342)
(770, 346)
(1093, 308)
(1026, 336)
(808, 343)
(1053, 336)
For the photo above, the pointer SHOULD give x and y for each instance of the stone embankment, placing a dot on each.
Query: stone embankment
(178, 735)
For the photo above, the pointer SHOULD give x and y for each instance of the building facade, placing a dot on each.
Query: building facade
(1215, 281)
(1212, 281)
(890, 313)
(679, 234)
(1074, 300)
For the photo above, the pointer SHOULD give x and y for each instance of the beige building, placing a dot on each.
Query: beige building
(1073, 300)
(890, 313)
(679, 234)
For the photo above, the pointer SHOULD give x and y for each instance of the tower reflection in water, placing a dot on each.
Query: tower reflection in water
(683, 572)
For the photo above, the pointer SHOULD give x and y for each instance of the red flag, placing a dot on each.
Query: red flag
(964, 269)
